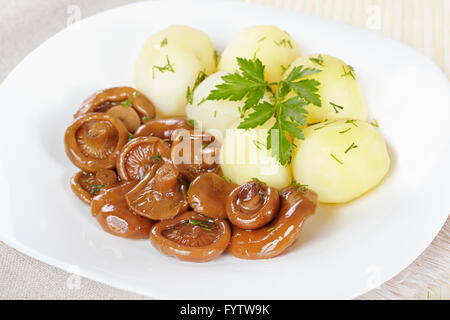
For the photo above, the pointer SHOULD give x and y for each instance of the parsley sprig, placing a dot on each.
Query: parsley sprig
(288, 110)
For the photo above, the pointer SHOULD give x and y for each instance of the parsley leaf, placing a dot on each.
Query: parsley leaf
(289, 113)
(250, 84)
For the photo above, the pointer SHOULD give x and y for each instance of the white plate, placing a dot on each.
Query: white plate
(343, 251)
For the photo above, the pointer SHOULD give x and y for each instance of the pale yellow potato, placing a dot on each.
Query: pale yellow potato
(244, 156)
(274, 47)
(330, 164)
(338, 85)
(167, 88)
(187, 39)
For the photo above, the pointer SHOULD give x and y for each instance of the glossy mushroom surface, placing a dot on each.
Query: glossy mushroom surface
(115, 216)
(139, 155)
(94, 140)
(162, 128)
(208, 195)
(86, 185)
(191, 237)
(160, 195)
(195, 153)
(252, 205)
(272, 239)
(135, 109)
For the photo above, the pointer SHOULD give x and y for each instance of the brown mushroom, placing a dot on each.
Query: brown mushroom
(273, 239)
(127, 115)
(191, 237)
(135, 105)
(208, 195)
(252, 205)
(139, 155)
(106, 177)
(94, 141)
(195, 153)
(87, 184)
(160, 195)
(115, 217)
(162, 128)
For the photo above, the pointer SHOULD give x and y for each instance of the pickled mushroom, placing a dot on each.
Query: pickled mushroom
(94, 141)
(252, 205)
(160, 195)
(272, 239)
(135, 106)
(195, 153)
(162, 128)
(208, 195)
(115, 216)
(139, 155)
(191, 237)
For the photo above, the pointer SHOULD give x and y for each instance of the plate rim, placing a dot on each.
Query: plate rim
(156, 294)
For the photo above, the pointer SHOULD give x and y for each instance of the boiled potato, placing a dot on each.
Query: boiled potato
(164, 76)
(214, 116)
(339, 89)
(340, 160)
(169, 63)
(274, 47)
(244, 156)
(186, 39)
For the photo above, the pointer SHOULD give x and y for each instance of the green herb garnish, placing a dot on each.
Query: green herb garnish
(336, 107)
(349, 72)
(257, 180)
(130, 136)
(258, 144)
(352, 146)
(270, 229)
(190, 92)
(301, 187)
(96, 188)
(284, 68)
(352, 122)
(192, 123)
(146, 118)
(375, 123)
(127, 103)
(262, 39)
(318, 60)
(164, 42)
(168, 67)
(284, 42)
(334, 157)
(216, 58)
(200, 224)
(345, 131)
(226, 179)
(156, 158)
(289, 113)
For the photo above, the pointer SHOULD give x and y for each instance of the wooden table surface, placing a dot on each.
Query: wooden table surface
(422, 24)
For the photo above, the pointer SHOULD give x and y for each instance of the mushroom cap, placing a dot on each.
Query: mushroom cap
(103, 100)
(195, 153)
(274, 238)
(252, 205)
(162, 128)
(208, 195)
(160, 195)
(191, 237)
(94, 140)
(82, 185)
(115, 216)
(139, 155)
